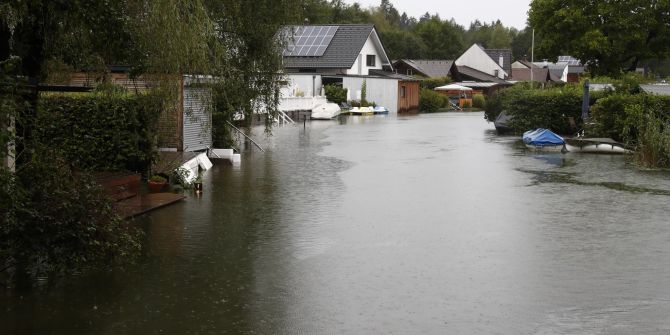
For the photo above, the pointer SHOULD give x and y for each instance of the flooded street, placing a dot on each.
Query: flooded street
(428, 224)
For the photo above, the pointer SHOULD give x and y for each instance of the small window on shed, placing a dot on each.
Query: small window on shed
(371, 60)
(402, 91)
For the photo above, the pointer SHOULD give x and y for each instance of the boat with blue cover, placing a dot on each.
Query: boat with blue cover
(543, 140)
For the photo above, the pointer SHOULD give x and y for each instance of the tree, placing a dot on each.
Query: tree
(609, 36)
(442, 37)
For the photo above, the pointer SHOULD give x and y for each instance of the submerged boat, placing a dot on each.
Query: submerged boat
(502, 123)
(595, 145)
(325, 111)
(543, 140)
(380, 110)
(361, 111)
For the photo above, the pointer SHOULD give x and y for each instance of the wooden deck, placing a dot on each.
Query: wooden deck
(144, 203)
(123, 189)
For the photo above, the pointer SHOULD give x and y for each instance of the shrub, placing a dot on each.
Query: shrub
(546, 108)
(104, 131)
(614, 116)
(430, 101)
(432, 83)
(478, 101)
(60, 221)
(335, 93)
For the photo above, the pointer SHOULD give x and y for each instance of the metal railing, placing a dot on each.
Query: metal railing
(245, 135)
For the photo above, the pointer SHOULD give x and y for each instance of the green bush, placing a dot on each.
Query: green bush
(615, 115)
(432, 83)
(335, 93)
(100, 131)
(430, 101)
(478, 101)
(56, 220)
(540, 108)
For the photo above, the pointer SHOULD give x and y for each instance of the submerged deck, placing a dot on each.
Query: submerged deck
(144, 203)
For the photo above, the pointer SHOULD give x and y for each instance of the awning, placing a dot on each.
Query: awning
(453, 87)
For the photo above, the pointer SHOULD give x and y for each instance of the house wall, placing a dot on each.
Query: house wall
(410, 102)
(382, 91)
(478, 59)
(368, 49)
(302, 84)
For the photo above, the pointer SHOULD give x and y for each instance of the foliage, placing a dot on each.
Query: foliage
(158, 179)
(430, 101)
(432, 83)
(547, 108)
(179, 177)
(426, 37)
(336, 94)
(364, 94)
(620, 115)
(608, 36)
(478, 101)
(105, 132)
(653, 142)
(57, 220)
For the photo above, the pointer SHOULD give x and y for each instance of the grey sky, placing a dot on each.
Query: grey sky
(511, 12)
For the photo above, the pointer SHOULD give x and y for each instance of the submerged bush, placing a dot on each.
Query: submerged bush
(478, 101)
(430, 101)
(540, 108)
(59, 221)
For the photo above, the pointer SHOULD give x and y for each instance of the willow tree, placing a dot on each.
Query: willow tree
(610, 35)
(231, 43)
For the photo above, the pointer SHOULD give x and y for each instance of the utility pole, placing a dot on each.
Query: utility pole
(532, 58)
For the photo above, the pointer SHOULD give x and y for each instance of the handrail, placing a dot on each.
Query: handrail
(245, 135)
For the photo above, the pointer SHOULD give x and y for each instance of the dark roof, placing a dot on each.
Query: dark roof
(342, 51)
(464, 72)
(387, 74)
(507, 58)
(430, 68)
(539, 75)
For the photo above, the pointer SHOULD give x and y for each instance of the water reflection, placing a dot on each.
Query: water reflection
(409, 224)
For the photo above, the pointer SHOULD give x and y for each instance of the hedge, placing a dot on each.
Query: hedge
(617, 116)
(100, 131)
(548, 108)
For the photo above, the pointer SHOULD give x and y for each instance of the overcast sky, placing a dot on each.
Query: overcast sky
(512, 13)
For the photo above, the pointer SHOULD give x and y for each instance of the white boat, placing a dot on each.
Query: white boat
(325, 111)
(380, 110)
(595, 146)
(362, 111)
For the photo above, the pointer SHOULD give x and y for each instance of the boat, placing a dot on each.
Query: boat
(380, 110)
(325, 111)
(502, 123)
(595, 145)
(544, 140)
(361, 111)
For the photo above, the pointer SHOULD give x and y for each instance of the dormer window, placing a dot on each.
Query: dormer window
(371, 60)
(496, 73)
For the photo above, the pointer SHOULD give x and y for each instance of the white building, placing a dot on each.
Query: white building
(346, 55)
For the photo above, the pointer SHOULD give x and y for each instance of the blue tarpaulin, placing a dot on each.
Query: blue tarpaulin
(542, 137)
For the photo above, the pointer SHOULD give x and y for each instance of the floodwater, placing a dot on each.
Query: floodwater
(428, 224)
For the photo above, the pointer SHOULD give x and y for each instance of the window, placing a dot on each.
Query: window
(371, 60)
(410, 72)
(402, 91)
(496, 73)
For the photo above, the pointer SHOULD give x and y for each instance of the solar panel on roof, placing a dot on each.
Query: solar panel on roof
(568, 59)
(310, 41)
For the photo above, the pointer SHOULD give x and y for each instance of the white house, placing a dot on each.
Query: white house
(346, 55)
(477, 58)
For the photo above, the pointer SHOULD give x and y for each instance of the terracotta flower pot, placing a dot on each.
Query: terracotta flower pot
(156, 187)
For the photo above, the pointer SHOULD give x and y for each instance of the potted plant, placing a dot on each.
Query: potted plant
(156, 183)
